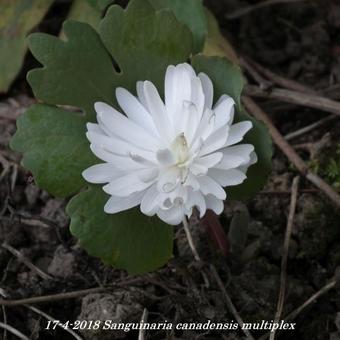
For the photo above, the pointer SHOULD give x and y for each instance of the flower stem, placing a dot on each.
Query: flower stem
(190, 240)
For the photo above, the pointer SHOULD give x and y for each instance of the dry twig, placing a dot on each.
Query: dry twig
(263, 83)
(26, 261)
(310, 127)
(230, 304)
(232, 309)
(13, 331)
(49, 317)
(67, 295)
(190, 240)
(283, 275)
(325, 289)
(292, 155)
(4, 335)
(141, 334)
(278, 79)
(288, 192)
(304, 99)
(51, 298)
(244, 11)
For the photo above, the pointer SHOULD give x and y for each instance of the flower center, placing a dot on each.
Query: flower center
(180, 150)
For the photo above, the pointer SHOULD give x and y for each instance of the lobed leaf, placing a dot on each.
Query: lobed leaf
(87, 11)
(192, 14)
(141, 43)
(55, 148)
(76, 72)
(128, 240)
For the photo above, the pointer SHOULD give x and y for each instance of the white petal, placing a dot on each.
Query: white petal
(140, 94)
(227, 177)
(169, 84)
(224, 111)
(195, 198)
(207, 89)
(197, 95)
(158, 112)
(118, 146)
(148, 175)
(180, 194)
(204, 128)
(150, 204)
(190, 120)
(168, 180)
(232, 155)
(101, 173)
(237, 131)
(125, 185)
(95, 128)
(141, 160)
(124, 128)
(214, 204)
(230, 162)
(99, 128)
(192, 182)
(173, 215)
(165, 157)
(253, 159)
(216, 140)
(121, 162)
(177, 88)
(135, 110)
(210, 186)
(117, 204)
(198, 169)
(211, 160)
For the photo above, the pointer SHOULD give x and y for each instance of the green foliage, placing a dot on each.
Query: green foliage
(55, 148)
(86, 66)
(79, 72)
(227, 78)
(190, 13)
(88, 11)
(129, 240)
(143, 43)
(17, 18)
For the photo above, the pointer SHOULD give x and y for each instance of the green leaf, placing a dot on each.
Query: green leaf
(77, 72)
(17, 18)
(86, 11)
(55, 148)
(143, 43)
(128, 240)
(80, 71)
(190, 13)
(227, 79)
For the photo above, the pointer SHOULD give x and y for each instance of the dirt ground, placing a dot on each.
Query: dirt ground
(299, 40)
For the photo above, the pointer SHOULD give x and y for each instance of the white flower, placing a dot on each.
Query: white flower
(169, 158)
